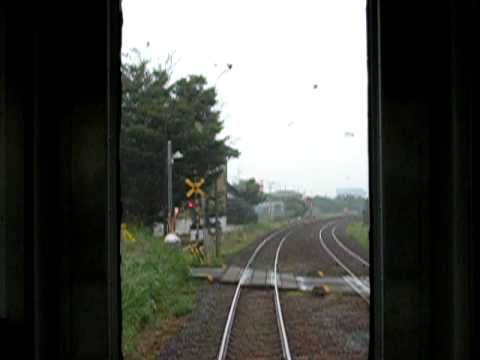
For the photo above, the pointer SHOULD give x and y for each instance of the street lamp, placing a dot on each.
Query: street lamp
(177, 156)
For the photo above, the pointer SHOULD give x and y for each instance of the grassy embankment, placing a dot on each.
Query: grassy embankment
(320, 215)
(237, 240)
(156, 286)
(359, 231)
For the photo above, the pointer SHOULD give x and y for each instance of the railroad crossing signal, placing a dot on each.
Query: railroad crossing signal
(195, 187)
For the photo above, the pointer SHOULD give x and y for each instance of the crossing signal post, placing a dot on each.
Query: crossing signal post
(196, 191)
(217, 227)
(193, 205)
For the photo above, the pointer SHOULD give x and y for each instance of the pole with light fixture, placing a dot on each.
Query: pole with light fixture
(170, 160)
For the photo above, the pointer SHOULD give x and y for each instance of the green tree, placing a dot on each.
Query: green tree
(154, 111)
(195, 129)
(326, 205)
(239, 211)
(294, 203)
(294, 207)
(339, 204)
(250, 191)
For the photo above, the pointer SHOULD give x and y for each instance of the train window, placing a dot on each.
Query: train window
(245, 180)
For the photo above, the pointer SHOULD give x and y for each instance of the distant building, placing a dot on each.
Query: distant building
(352, 191)
(270, 209)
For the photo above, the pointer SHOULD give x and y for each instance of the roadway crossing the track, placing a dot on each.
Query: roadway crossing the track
(287, 281)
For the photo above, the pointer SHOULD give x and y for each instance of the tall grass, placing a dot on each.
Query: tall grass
(238, 239)
(155, 285)
(359, 231)
(156, 282)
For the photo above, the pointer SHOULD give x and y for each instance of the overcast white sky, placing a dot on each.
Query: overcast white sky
(289, 133)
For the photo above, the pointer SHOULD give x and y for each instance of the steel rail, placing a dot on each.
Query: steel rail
(350, 252)
(222, 353)
(329, 252)
(278, 308)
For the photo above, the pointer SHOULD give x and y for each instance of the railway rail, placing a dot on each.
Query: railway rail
(362, 289)
(253, 319)
(227, 346)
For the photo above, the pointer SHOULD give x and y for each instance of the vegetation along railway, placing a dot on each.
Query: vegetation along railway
(301, 292)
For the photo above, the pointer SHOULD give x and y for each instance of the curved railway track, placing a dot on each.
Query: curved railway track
(253, 334)
(353, 280)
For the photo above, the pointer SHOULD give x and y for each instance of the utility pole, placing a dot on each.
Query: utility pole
(197, 233)
(169, 185)
(170, 159)
(207, 240)
(217, 227)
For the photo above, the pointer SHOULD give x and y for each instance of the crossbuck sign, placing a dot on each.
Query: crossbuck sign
(195, 187)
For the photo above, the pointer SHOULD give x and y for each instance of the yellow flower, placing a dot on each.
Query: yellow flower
(126, 234)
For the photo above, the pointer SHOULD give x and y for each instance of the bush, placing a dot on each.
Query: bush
(240, 212)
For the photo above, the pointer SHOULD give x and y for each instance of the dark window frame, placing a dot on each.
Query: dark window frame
(3, 294)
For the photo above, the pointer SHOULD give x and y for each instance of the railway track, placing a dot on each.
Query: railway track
(253, 320)
(255, 327)
(346, 259)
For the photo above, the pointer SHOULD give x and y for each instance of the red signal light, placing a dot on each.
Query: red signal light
(191, 204)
